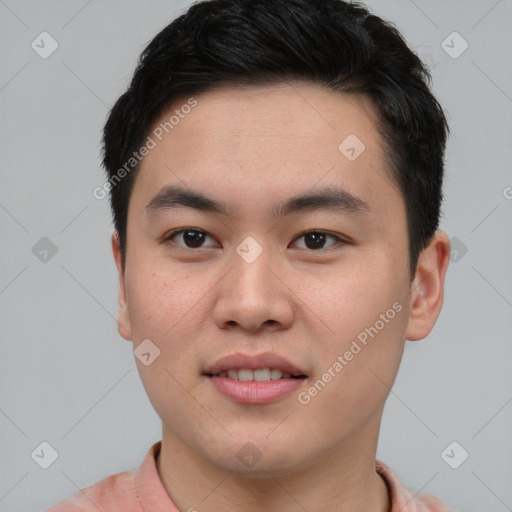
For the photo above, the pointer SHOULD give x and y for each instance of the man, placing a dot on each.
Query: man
(275, 171)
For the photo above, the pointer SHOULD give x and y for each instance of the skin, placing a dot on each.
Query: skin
(250, 147)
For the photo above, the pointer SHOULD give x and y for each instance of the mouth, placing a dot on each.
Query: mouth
(259, 367)
(258, 379)
(258, 375)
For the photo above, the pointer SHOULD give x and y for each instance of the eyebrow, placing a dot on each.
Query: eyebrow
(331, 198)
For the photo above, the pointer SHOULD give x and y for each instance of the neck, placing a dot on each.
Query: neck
(342, 480)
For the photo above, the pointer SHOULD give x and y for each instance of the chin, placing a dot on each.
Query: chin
(262, 470)
(258, 458)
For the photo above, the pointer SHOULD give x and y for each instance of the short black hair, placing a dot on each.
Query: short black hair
(333, 43)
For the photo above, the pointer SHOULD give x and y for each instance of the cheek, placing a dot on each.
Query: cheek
(353, 299)
(158, 300)
(164, 308)
(360, 359)
(365, 317)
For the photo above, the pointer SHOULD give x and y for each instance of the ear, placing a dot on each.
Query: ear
(427, 287)
(123, 316)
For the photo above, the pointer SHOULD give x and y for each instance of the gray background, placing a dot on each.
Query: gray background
(68, 378)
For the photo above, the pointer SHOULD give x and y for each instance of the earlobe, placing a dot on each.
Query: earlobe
(123, 316)
(427, 287)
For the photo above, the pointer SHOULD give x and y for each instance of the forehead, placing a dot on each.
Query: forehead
(247, 144)
(304, 117)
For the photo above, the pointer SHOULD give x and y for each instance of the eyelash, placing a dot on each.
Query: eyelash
(169, 238)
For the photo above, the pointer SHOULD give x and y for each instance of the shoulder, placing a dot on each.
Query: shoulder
(405, 500)
(113, 493)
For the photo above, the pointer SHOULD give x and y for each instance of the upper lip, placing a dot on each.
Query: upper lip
(253, 362)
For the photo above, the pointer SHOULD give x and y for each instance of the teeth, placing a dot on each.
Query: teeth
(245, 375)
(275, 374)
(259, 375)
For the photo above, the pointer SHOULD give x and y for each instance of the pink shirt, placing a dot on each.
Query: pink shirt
(141, 490)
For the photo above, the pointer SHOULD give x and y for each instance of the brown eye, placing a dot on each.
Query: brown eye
(316, 239)
(191, 238)
(194, 239)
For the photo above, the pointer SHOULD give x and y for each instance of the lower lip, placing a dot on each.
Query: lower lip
(254, 392)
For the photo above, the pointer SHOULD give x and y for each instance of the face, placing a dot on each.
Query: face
(318, 285)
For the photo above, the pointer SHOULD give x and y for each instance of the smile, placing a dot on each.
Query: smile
(254, 378)
(259, 375)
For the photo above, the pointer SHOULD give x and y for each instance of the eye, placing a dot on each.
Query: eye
(192, 238)
(315, 240)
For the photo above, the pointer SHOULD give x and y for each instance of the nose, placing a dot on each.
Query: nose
(254, 294)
